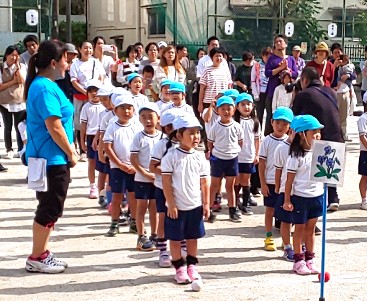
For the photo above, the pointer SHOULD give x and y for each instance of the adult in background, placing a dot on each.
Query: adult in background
(30, 43)
(322, 65)
(231, 67)
(50, 133)
(196, 87)
(161, 46)
(259, 82)
(336, 52)
(242, 78)
(12, 107)
(152, 50)
(131, 65)
(139, 49)
(99, 53)
(182, 57)
(300, 62)
(320, 101)
(276, 63)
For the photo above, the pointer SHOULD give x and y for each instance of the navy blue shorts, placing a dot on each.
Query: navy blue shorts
(144, 191)
(121, 181)
(281, 214)
(246, 168)
(160, 200)
(103, 167)
(306, 208)
(271, 200)
(188, 225)
(223, 168)
(362, 163)
(91, 153)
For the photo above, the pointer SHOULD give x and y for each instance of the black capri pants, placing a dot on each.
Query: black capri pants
(51, 203)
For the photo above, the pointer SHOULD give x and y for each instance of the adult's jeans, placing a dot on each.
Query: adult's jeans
(9, 119)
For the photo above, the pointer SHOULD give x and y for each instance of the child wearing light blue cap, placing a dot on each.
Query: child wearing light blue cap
(281, 121)
(302, 196)
(135, 84)
(178, 92)
(165, 100)
(225, 141)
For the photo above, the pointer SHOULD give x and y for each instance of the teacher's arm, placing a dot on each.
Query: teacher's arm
(58, 135)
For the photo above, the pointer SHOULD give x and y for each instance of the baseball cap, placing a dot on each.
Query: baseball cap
(296, 48)
(166, 82)
(150, 106)
(306, 123)
(283, 113)
(186, 121)
(162, 44)
(105, 90)
(231, 93)
(71, 48)
(131, 76)
(169, 116)
(177, 87)
(225, 100)
(123, 99)
(93, 83)
(244, 97)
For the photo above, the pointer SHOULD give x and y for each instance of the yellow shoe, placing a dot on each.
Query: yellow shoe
(269, 244)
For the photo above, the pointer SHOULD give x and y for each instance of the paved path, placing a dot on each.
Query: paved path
(232, 260)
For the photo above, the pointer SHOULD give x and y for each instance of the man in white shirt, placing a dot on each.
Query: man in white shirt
(31, 43)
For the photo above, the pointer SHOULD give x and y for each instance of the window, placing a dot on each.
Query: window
(77, 7)
(349, 25)
(157, 20)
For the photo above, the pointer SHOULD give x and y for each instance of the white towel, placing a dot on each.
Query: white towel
(37, 174)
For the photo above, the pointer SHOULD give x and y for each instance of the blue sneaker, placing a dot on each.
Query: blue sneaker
(288, 254)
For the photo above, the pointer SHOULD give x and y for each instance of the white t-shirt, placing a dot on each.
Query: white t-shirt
(107, 119)
(183, 108)
(90, 115)
(362, 129)
(281, 98)
(121, 136)
(139, 99)
(157, 154)
(280, 161)
(226, 139)
(162, 105)
(248, 151)
(302, 186)
(107, 62)
(267, 149)
(206, 61)
(215, 118)
(82, 71)
(186, 169)
(142, 145)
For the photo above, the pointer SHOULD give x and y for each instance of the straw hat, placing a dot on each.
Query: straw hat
(322, 46)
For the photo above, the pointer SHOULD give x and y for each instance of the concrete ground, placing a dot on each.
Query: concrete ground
(233, 264)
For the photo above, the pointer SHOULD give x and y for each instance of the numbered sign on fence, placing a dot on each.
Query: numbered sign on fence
(229, 27)
(328, 162)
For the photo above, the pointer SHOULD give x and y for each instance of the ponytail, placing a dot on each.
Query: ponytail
(253, 116)
(169, 143)
(296, 149)
(31, 74)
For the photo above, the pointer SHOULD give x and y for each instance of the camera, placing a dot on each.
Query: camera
(293, 87)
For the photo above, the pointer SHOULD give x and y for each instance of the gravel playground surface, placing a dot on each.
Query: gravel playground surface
(233, 263)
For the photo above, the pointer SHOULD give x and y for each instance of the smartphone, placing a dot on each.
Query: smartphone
(108, 48)
(341, 57)
(148, 81)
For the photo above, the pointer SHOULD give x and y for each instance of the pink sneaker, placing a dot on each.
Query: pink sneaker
(93, 193)
(311, 265)
(301, 268)
(181, 275)
(193, 272)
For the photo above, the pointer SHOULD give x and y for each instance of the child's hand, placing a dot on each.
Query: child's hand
(288, 206)
(95, 144)
(84, 147)
(265, 190)
(206, 211)
(150, 176)
(130, 170)
(277, 189)
(256, 160)
(172, 212)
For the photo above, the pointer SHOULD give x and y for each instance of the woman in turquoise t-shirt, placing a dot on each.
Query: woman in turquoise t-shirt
(50, 136)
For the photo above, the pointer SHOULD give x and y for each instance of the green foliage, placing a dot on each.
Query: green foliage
(360, 28)
(78, 30)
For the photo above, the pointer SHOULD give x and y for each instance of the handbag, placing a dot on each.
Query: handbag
(15, 93)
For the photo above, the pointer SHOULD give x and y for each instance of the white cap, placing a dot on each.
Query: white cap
(118, 92)
(169, 116)
(186, 121)
(162, 44)
(105, 90)
(93, 83)
(150, 106)
(123, 100)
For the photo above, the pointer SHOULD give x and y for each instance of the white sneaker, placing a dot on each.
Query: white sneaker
(83, 158)
(364, 205)
(48, 265)
(58, 261)
(164, 260)
(333, 207)
(9, 155)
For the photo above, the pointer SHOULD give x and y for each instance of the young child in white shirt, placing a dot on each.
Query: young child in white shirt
(281, 98)
(135, 83)
(166, 97)
(178, 93)
(89, 119)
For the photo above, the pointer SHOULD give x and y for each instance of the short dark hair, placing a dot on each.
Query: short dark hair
(180, 47)
(310, 73)
(281, 36)
(247, 55)
(266, 51)
(202, 49)
(30, 38)
(129, 49)
(148, 69)
(9, 50)
(95, 40)
(139, 44)
(212, 38)
(150, 44)
(336, 46)
(216, 50)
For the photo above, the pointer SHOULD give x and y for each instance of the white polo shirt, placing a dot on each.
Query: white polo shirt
(106, 120)
(157, 154)
(280, 161)
(186, 169)
(162, 105)
(267, 149)
(121, 137)
(184, 107)
(248, 151)
(90, 115)
(139, 100)
(302, 186)
(142, 145)
(362, 129)
(226, 139)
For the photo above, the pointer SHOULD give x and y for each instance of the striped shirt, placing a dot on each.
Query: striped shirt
(126, 68)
